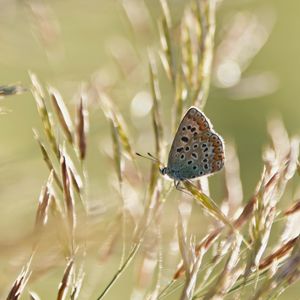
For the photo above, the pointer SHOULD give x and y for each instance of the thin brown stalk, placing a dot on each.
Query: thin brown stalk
(279, 253)
(65, 282)
(293, 209)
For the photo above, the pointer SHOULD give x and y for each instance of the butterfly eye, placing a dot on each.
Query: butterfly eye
(204, 145)
(182, 156)
(205, 166)
(195, 146)
(189, 127)
(193, 129)
(205, 160)
(195, 167)
(189, 162)
(201, 173)
(187, 149)
(183, 128)
(179, 149)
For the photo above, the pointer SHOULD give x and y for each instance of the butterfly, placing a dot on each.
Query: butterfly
(197, 150)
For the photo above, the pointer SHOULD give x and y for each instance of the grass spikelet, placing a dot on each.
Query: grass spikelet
(111, 113)
(229, 274)
(191, 262)
(39, 97)
(293, 209)
(20, 283)
(167, 55)
(117, 153)
(43, 205)
(82, 127)
(46, 157)
(68, 198)
(62, 113)
(65, 282)
(205, 12)
(34, 296)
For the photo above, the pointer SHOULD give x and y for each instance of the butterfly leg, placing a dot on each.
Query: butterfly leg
(179, 188)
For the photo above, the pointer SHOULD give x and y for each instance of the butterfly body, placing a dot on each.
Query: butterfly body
(197, 150)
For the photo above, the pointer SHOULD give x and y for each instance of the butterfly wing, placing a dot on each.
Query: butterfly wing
(197, 149)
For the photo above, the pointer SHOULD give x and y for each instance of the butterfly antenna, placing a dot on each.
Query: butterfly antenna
(150, 157)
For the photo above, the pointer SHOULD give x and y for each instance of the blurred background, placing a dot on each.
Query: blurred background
(71, 43)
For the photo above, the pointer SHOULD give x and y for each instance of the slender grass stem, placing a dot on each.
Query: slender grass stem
(121, 270)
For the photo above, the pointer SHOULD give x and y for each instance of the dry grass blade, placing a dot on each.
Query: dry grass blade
(62, 113)
(156, 123)
(202, 246)
(211, 237)
(65, 282)
(228, 276)
(9, 90)
(156, 115)
(82, 127)
(183, 246)
(210, 206)
(20, 283)
(191, 261)
(39, 97)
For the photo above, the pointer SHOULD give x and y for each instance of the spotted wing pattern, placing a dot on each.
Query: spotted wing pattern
(197, 149)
